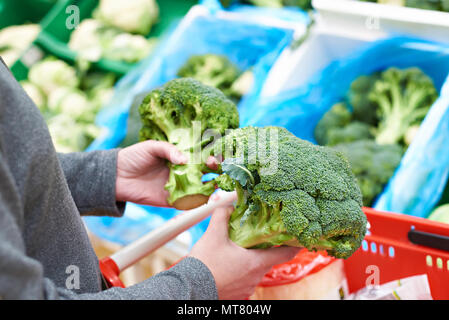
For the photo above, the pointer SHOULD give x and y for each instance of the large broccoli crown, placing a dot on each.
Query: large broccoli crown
(181, 112)
(372, 164)
(292, 192)
(404, 97)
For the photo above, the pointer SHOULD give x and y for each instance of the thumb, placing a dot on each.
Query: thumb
(165, 150)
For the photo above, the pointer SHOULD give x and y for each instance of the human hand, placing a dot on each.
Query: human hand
(142, 172)
(237, 271)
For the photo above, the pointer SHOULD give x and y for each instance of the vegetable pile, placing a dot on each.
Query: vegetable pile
(376, 122)
(69, 101)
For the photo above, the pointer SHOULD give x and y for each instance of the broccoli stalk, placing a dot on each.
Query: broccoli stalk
(181, 112)
(310, 197)
(404, 97)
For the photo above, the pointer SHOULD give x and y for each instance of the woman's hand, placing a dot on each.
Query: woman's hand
(142, 172)
(237, 271)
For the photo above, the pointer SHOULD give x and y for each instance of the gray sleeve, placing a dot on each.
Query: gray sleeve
(91, 177)
(190, 279)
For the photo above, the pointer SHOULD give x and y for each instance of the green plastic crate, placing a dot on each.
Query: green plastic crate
(55, 35)
(14, 12)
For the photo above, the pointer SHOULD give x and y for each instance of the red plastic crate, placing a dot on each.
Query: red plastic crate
(398, 246)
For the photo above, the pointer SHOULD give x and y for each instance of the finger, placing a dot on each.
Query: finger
(274, 256)
(166, 150)
(219, 221)
(212, 163)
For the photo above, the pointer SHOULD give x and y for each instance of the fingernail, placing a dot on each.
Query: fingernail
(181, 158)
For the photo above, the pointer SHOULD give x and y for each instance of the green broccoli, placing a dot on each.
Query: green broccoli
(372, 164)
(404, 97)
(182, 112)
(214, 70)
(290, 192)
(337, 117)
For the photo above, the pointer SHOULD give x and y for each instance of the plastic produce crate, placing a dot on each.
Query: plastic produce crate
(23, 11)
(398, 246)
(55, 35)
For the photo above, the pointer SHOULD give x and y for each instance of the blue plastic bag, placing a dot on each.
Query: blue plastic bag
(420, 178)
(247, 44)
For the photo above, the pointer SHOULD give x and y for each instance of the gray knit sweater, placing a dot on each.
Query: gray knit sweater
(43, 242)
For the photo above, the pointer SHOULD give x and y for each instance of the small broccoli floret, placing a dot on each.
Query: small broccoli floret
(337, 117)
(352, 132)
(182, 112)
(214, 70)
(372, 164)
(291, 192)
(404, 97)
(363, 108)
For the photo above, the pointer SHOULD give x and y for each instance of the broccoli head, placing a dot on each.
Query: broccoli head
(372, 164)
(290, 192)
(404, 97)
(337, 117)
(182, 112)
(213, 70)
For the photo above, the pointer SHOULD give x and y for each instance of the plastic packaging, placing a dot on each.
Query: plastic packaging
(308, 276)
(419, 180)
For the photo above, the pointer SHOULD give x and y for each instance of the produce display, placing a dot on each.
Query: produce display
(69, 100)
(219, 72)
(116, 31)
(278, 207)
(376, 122)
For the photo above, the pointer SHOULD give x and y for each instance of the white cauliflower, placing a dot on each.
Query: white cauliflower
(14, 40)
(135, 16)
